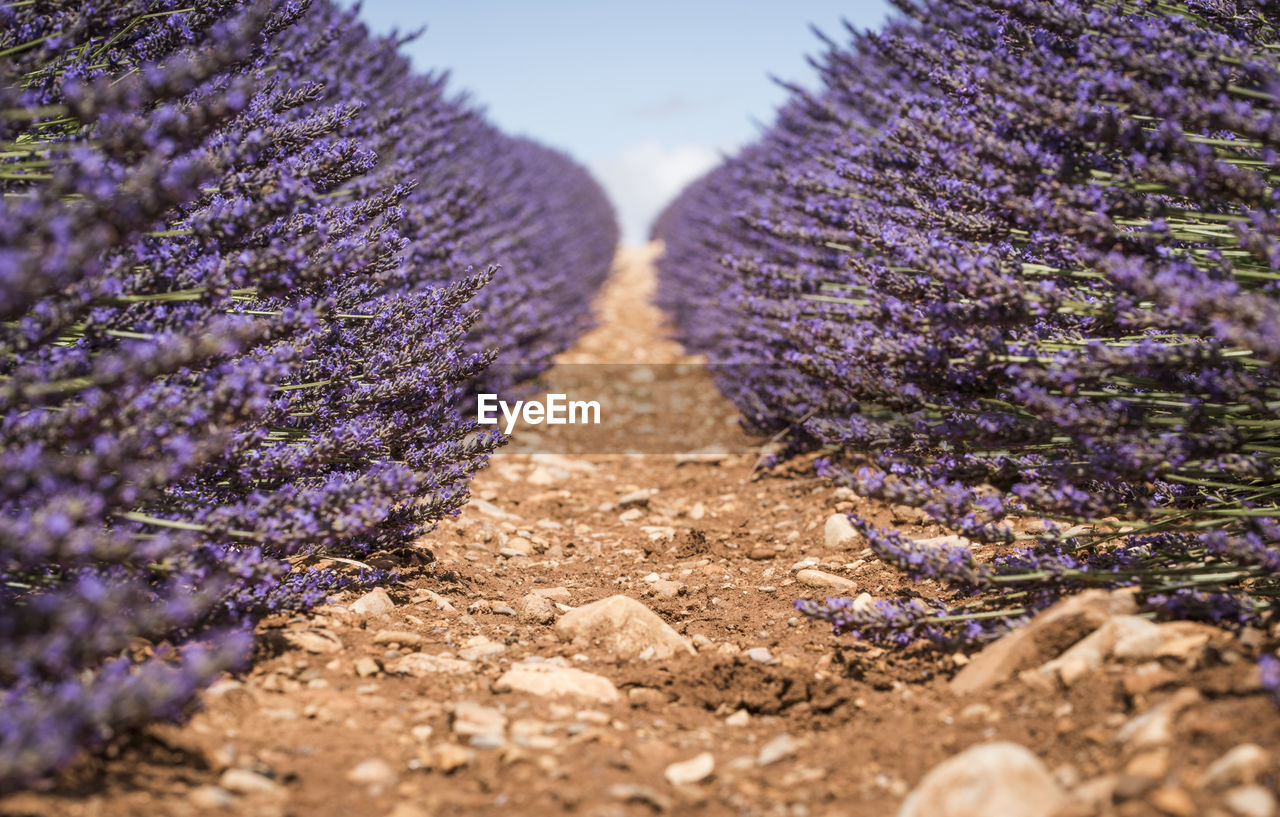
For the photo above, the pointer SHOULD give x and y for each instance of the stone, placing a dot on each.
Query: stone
(489, 509)
(694, 770)
(762, 554)
(1173, 801)
(449, 757)
(638, 499)
(1087, 654)
(244, 781)
(316, 642)
(373, 772)
(422, 665)
(402, 637)
(211, 797)
(1174, 639)
(1250, 801)
(479, 648)
(665, 589)
(623, 626)
(1241, 765)
(838, 532)
(374, 603)
(991, 778)
(630, 515)
(760, 654)
(519, 545)
(780, 748)
(536, 609)
(470, 718)
(366, 667)
(740, 718)
(1155, 726)
(1046, 636)
(441, 603)
(560, 595)
(830, 581)
(634, 793)
(551, 681)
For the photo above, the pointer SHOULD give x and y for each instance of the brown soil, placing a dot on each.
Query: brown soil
(868, 722)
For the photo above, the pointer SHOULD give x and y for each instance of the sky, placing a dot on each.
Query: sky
(648, 95)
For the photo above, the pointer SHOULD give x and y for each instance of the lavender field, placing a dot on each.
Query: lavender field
(980, 336)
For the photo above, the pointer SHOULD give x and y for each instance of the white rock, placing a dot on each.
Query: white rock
(374, 603)
(818, 578)
(760, 654)
(211, 797)
(314, 641)
(990, 779)
(551, 681)
(1241, 765)
(838, 532)
(243, 781)
(623, 626)
(1155, 726)
(780, 748)
(489, 509)
(470, 718)
(691, 771)
(373, 772)
(1087, 654)
(740, 718)
(421, 665)
(1250, 801)
(537, 609)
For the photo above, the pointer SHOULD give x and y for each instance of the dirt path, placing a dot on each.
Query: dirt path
(429, 706)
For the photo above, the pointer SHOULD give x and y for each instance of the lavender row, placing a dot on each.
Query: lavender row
(1018, 260)
(249, 264)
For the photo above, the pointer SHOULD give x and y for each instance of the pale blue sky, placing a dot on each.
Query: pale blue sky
(647, 95)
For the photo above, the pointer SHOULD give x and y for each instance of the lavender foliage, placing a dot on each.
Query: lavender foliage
(238, 312)
(1018, 260)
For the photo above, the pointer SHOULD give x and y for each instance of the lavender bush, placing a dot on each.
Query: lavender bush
(238, 310)
(1018, 260)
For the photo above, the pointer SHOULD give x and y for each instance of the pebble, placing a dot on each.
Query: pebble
(211, 797)
(449, 757)
(519, 544)
(623, 626)
(366, 667)
(470, 718)
(401, 637)
(630, 515)
(374, 603)
(760, 654)
(762, 554)
(633, 793)
(1173, 801)
(560, 595)
(1250, 801)
(479, 648)
(780, 748)
(422, 665)
(818, 578)
(740, 718)
(837, 532)
(373, 772)
(550, 681)
(992, 778)
(1241, 765)
(537, 609)
(243, 781)
(503, 610)
(634, 499)
(511, 553)
(694, 770)
(314, 641)
(1155, 726)
(666, 589)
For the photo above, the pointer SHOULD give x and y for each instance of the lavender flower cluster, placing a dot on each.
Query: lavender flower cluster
(237, 314)
(1018, 260)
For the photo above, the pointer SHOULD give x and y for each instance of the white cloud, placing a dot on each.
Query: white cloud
(642, 178)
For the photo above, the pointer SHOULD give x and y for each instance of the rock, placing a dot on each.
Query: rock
(422, 665)
(740, 718)
(1173, 801)
(489, 509)
(479, 648)
(817, 578)
(760, 654)
(314, 641)
(503, 610)
(243, 781)
(762, 554)
(633, 793)
(837, 532)
(211, 797)
(519, 545)
(438, 600)
(1046, 636)
(623, 626)
(665, 589)
(373, 772)
(470, 718)
(366, 667)
(537, 609)
(630, 515)
(1155, 726)
(449, 757)
(559, 595)
(402, 637)
(636, 499)
(1241, 765)
(550, 681)
(1174, 639)
(374, 603)
(1087, 654)
(1250, 801)
(547, 475)
(988, 779)
(691, 771)
(780, 748)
